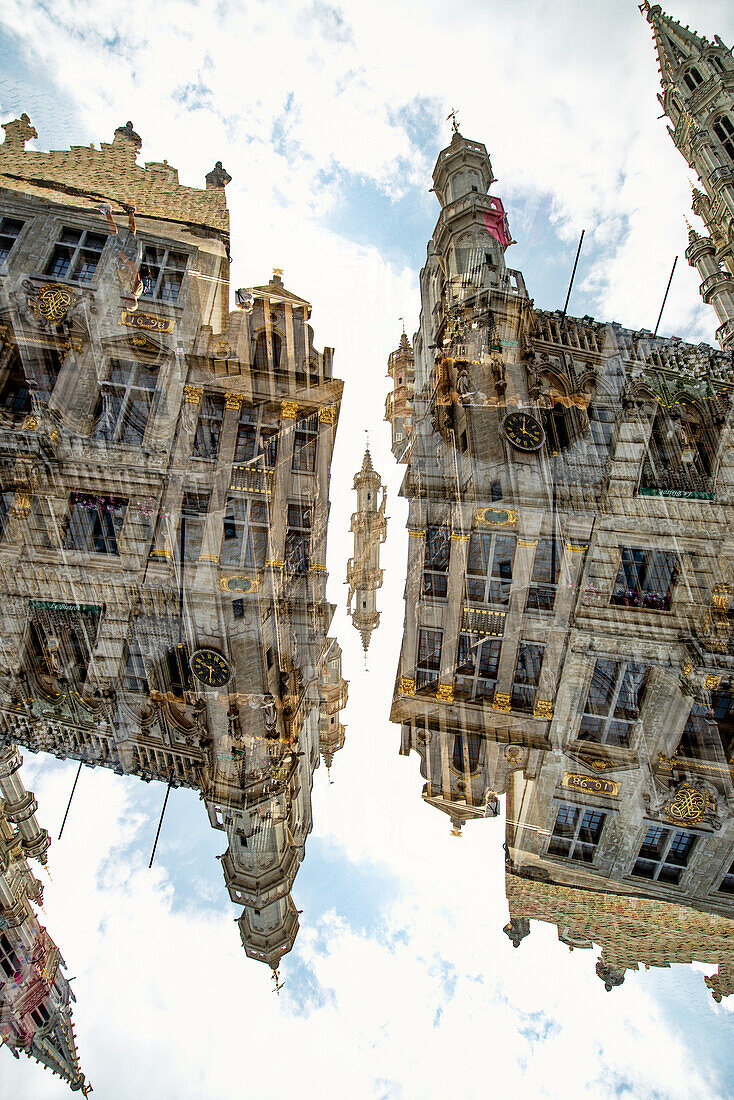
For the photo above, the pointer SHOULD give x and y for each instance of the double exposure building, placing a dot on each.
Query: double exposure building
(570, 568)
(164, 482)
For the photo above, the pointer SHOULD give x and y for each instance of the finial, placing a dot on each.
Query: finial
(692, 234)
(402, 322)
(276, 978)
(127, 131)
(18, 132)
(456, 831)
(454, 124)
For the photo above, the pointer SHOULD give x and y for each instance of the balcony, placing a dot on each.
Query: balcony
(251, 479)
(683, 482)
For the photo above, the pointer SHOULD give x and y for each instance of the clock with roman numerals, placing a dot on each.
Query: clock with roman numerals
(210, 667)
(523, 431)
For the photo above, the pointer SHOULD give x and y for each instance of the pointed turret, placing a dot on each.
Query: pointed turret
(698, 96)
(399, 402)
(333, 692)
(364, 575)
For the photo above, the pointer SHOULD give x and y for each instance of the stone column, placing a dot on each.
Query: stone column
(454, 612)
(283, 476)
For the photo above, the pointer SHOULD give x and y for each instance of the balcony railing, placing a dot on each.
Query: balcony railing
(251, 479)
(682, 481)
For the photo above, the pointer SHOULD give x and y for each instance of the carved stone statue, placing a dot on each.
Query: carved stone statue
(517, 930)
(218, 177)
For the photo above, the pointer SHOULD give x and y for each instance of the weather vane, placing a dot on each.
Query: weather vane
(454, 124)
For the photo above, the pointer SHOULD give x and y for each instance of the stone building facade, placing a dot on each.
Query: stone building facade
(164, 488)
(570, 568)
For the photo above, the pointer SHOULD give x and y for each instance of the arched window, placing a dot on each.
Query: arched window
(724, 130)
(718, 64)
(692, 79)
(261, 351)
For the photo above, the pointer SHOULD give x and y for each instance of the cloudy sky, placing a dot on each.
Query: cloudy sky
(329, 120)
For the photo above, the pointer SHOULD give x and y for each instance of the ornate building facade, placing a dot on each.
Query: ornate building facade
(568, 634)
(164, 468)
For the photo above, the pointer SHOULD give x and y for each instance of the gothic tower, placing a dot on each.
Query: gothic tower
(364, 575)
(698, 96)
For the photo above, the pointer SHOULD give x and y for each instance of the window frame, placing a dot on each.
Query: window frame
(305, 444)
(164, 269)
(426, 655)
(129, 393)
(489, 577)
(248, 556)
(608, 719)
(76, 250)
(208, 401)
(637, 600)
(110, 531)
(475, 672)
(523, 693)
(671, 835)
(575, 839)
(14, 238)
(264, 430)
(436, 559)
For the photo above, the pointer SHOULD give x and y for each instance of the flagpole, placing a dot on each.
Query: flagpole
(573, 273)
(670, 280)
(78, 772)
(158, 833)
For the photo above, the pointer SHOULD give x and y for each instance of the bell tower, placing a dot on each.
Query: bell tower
(697, 95)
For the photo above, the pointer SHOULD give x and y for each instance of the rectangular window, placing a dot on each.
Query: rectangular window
(125, 403)
(601, 426)
(664, 854)
(9, 232)
(489, 567)
(304, 445)
(527, 675)
(94, 523)
(76, 255)
(238, 609)
(194, 507)
(645, 578)
(134, 677)
(477, 662)
(245, 534)
(297, 537)
(727, 883)
(7, 496)
(576, 832)
(613, 705)
(544, 580)
(209, 426)
(257, 437)
(436, 561)
(429, 657)
(162, 271)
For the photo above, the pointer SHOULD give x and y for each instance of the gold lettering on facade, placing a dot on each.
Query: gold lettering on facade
(591, 784)
(148, 321)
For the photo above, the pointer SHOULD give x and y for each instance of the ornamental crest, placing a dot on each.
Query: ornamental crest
(53, 302)
(689, 806)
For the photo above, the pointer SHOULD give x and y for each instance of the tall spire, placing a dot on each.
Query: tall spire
(674, 43)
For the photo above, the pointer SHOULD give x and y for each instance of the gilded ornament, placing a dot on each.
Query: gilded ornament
(687, 668)
(580, 549)
(233, 400)
(590, 784)
(222, 350)
(712, 681)
(458, 537)
(30, 424)
(689, 805)
(53, 302)
(445, 693)
(501, 701)
(527, 542)
(193, 394)
(497, 517)
(288, 410)
(406, 686)
(543, 708)
(327, 414)
(147, 321)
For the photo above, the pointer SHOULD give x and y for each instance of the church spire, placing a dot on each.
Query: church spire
(698, 96)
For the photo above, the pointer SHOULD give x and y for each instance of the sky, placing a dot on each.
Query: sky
(329, 119)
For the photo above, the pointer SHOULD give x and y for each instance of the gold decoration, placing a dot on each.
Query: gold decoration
(160, 552)
(148, 321)
(276, 564)
(54, 435)
(193, 394)
(445, 693)
(527, 542)
(581, 549)
(22, 502)
(53, 302)
(416, 534)
(543, 708)
(720, 597)
(458, 537)
(689, 805)
(327, 414)
(406, 686)
(687, 668)
(501, 701)
(208, 557)
(288, 410)
(712, 681)
(497, 517)
(590, 784)
(317, 567)
(239, 583)
(222, 350)
(30, 424)
(233, 400)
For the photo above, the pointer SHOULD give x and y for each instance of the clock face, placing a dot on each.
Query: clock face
(523, 431)
(210, 667)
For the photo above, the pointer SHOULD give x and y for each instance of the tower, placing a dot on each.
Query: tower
(697, 79)
(369, 525)
(399, 401)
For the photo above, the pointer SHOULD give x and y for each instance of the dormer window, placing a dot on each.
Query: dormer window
(692, 79)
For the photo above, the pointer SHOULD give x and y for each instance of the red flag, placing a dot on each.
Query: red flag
(496, 222)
